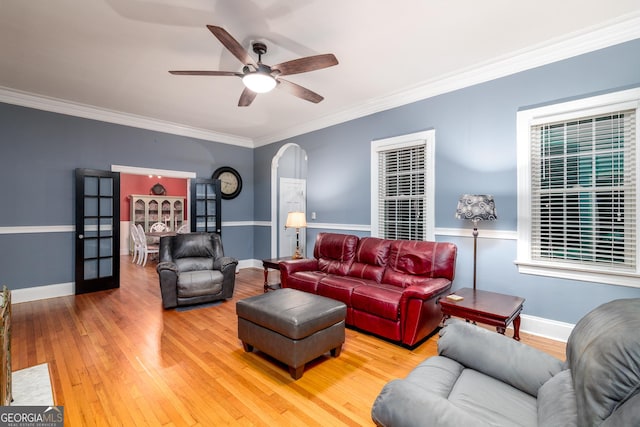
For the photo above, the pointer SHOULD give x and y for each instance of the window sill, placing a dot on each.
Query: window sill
(630, 279)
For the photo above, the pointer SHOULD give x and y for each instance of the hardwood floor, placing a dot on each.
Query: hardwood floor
(117, 358)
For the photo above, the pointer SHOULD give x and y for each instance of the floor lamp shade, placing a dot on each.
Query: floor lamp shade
(476, 207)
(296, 220)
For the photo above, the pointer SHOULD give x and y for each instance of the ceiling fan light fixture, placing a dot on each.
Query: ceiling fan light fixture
(259, 82)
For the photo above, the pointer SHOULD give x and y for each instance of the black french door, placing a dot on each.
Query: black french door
(205, 205)
(97, 239)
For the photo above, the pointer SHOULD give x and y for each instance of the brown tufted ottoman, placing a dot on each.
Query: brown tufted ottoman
(291, 326)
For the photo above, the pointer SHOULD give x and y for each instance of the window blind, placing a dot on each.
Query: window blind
(401, 193)
(583, 190)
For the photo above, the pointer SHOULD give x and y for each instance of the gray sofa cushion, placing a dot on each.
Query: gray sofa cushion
(519, 365)
(557, 402)
(448, 394)
(405, 404)
(198, 283)
(605, 360)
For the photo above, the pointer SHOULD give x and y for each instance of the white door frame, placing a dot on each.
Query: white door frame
(274, 197)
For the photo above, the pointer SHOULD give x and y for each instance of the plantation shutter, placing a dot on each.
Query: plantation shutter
(401, 193)
(583, 200)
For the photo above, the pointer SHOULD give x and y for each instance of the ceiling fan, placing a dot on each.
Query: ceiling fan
(260, 78)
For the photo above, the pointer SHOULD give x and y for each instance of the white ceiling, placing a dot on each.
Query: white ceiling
(109, 59)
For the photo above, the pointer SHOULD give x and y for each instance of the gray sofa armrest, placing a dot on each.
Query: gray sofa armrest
(168, 276)
(225, 262)
(402, 403)
(498, 356)
(167, 266)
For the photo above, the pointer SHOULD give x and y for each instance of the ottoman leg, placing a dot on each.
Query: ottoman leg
(296, 373)
(247, 347)
(335, 352)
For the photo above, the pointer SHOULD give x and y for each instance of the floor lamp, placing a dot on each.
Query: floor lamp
(474, 207)
(296, 220)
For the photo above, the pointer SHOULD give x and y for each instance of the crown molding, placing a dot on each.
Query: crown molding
(54, 105)
(614, 32)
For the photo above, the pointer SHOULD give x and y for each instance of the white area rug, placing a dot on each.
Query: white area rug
(32, 386)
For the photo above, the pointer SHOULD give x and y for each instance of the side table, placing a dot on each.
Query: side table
(486, 307)
(273, 263)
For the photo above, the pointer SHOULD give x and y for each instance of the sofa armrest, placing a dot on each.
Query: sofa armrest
(426, 289)
(168, 276)
(403, 403)
(295, 265)
(167, 266)
(517, 364)
(225, 262)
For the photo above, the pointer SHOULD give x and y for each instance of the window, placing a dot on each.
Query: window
(402, 193)
(578, 180)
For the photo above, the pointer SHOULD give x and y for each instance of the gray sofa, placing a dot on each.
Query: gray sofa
(481, 378)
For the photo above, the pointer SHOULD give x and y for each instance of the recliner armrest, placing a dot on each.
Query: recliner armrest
(293, 266)
(517, 364)
(224, 262)
(403, 403)
(427, 289)
(167, 266)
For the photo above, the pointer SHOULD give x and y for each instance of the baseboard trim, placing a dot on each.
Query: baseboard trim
(546, 328)
(42, 292)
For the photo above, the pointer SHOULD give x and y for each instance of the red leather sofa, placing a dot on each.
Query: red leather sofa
(391, 287)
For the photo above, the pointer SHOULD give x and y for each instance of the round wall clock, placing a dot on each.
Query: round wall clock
(230, 182)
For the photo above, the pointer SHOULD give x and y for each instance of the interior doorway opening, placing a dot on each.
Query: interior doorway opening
(144, 181)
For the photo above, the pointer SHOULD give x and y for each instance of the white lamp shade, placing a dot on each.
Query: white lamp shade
(296, 220)
(259, 82)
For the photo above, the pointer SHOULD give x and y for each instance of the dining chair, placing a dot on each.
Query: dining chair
(183, 229)
(146, 248)
(158, 226)
(135, 238)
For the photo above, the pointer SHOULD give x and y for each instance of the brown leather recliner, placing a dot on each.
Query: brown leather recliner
(193, 269)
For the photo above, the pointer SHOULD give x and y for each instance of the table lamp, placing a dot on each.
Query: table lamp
(296, 220)
(476, 207)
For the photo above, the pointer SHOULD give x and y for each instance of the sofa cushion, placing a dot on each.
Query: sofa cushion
(340, 287)
(490, 400)
(481, 399)
(194, 264)
(335, 252)
(520, 365)
(557, 402)
(371, 258)
(603, 352)
(380, 300)
(411, 261)
(193, 245)
(198, 283)
(305, 280)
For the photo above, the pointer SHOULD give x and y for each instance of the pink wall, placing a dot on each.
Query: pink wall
(141, 184)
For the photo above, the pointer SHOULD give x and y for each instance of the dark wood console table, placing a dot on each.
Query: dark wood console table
(486, 307)
(273, 263)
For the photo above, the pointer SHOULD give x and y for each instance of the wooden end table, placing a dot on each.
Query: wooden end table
(273, 263)
(486, 307)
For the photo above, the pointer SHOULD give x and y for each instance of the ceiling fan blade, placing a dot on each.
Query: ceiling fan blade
(299, 91)
(303, 65)
(232, 45)
(246, 98)
(206, 73)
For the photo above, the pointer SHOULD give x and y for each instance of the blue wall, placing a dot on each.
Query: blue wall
(475, 153)
(40, 151)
